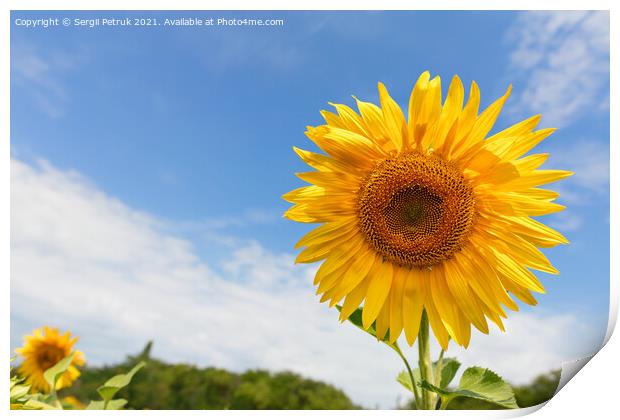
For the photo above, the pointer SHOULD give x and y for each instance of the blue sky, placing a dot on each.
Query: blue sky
(188, 134)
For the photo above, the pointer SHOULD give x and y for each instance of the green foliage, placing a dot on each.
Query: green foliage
(476, 382)
(108, 390)
(449, 367)
(479, 383)
(55, 372)
(540, 390)
(114, 384)
(21, 399)
(181, 387)
(404, 379)
(20, 393)
(107, 405)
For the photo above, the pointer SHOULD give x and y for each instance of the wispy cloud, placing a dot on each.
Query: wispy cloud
(84, 261)
(562, 57)
(252, 216)
(567, 221)
(590, 162)
(40, 74)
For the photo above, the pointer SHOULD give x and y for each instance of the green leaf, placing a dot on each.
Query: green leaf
(18, 391)
(481, 384)
(52, 374)
(112, 405)
(114, 384)
(404, 379)
(449, 368)
(39, 402)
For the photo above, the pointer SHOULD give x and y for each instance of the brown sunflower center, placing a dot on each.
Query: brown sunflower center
(48, 356)
(415, 209)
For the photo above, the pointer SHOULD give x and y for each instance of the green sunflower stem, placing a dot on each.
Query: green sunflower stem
(438, 368)
(416, 389)
(426, 372)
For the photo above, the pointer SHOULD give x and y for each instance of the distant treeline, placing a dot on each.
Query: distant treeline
(161, 385)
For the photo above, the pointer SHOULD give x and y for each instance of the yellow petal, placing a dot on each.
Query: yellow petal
(534, 179)
(325, 163)
(467, 119)
(378, 290)
(351, 120)
(474, 140)
(383, 320)
(433, 316)
(463, 295)
(354, 299)
(327, 231)
(521, 250)
(416, 101)
(524, 144)
(449, 114)
(373, 118)
(319, 251)
(413, 302)
(339, 257)
(365, 260)
(331, 180)
(445, 303)
(393, 117)
(515, 271)
(396, 304)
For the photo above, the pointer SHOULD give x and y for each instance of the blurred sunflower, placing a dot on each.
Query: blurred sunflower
(426, 213)
(42, 350)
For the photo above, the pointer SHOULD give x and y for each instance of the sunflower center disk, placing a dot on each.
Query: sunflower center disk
(416, 210)
(48, 356)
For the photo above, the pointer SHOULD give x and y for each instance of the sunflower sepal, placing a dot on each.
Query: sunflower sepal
(478, 383)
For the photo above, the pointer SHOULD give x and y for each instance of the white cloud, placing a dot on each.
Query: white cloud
(564, 58)
(86, 262)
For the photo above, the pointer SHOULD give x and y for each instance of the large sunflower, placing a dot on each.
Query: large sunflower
(41, 351)
(426, 213)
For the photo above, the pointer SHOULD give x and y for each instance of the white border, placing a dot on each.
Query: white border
(586, 396)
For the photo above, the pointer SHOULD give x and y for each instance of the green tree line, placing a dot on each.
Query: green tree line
(161, 385)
